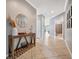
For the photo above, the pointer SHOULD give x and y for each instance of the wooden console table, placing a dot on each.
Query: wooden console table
(11, 42)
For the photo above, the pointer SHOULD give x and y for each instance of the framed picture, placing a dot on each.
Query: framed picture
(69, 18)
(21, 20)
(71, 22)
(71, 10)
(69, 14)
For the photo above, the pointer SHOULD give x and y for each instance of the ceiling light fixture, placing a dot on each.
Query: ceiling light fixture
(52, 12)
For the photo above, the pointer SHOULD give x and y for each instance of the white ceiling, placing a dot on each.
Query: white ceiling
(46, 6)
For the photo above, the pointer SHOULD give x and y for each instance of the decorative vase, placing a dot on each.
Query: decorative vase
(14, 31)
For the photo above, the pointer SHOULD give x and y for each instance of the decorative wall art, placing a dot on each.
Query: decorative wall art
(21, 20)
(69, 18)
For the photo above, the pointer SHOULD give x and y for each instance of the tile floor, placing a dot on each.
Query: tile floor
(47, 49)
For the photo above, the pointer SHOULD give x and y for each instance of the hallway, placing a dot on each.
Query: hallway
(46, 20)
(47, 49)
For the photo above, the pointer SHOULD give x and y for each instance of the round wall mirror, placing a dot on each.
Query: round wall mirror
(21, 20)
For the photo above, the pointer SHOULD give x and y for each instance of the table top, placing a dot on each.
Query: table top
(22, 35)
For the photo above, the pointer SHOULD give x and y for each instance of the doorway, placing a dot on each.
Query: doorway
(58, 28)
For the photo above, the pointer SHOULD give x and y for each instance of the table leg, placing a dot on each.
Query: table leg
(26, 40)
(18, 43)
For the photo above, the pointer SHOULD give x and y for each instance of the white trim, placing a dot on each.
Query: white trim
(68, 48)
(31, 4)
(58, 14)
(66, 2)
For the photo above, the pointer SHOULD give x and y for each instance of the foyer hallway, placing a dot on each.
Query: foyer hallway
(47, 49)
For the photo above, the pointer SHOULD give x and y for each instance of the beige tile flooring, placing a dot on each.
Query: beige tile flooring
(59, 36)
(47, 49)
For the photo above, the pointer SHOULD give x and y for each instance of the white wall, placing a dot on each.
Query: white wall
(13, 8)
(56, 20)
(68, 32)
(52, 27)
(40, 26)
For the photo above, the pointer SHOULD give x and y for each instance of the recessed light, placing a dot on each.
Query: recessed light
(52, 11)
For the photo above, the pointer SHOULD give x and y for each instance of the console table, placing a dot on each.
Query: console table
(12, 51)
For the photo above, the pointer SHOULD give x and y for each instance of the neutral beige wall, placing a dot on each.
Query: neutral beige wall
(13, 8)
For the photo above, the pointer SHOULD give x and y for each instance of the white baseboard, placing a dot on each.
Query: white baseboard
(68, 48)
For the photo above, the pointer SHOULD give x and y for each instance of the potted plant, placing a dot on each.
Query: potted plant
(13, 25)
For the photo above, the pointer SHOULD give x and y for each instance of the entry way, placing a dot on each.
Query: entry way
(40, 27)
